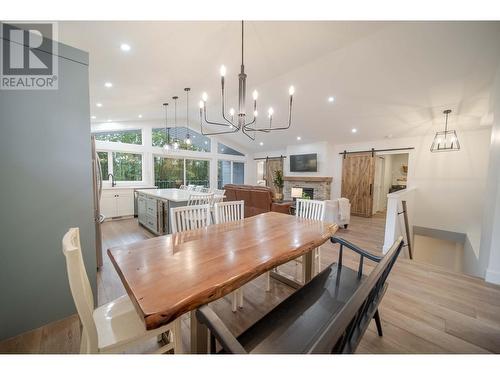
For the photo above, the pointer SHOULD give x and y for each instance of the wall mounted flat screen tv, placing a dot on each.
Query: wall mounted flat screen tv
(304, 163)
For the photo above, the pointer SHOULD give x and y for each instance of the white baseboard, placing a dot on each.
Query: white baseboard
(492, 276)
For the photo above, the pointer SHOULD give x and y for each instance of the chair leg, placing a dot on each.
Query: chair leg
(240, 298)
(268, 282)
(234, 301)
(378, 323)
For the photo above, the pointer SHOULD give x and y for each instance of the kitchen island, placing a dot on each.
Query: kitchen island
(153, 207)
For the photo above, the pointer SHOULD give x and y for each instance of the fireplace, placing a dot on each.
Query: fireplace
(314, 187)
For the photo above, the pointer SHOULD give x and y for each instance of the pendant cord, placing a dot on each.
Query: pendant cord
(446, 124)
(242, 34)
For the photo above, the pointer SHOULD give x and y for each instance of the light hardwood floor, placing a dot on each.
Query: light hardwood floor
(426, 309)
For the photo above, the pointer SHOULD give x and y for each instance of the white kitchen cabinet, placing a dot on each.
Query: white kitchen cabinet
(117, 202)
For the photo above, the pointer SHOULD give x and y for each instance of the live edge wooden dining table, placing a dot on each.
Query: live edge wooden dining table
(171, 275)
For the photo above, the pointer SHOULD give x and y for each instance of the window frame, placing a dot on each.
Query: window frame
(183, 158)
(141, 130)
(232, 161)
(111, 169)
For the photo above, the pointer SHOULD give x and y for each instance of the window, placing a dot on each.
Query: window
(223, 149)
(199, 142)
(172, 173)
(223, 173)
(133, 136)
(238, 173)
(103, 158)
(127, 166)
(197, 172)
(169, 172)
(230, 172)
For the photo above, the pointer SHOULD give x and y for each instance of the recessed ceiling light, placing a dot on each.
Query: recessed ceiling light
(93, 117)
(125, 47)
(331, 99)
(261, 143)
(354, 130)
(108, 85)
(299, 138)
(99, 105)
(140, 116)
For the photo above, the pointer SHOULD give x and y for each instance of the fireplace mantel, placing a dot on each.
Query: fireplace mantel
(307, 179)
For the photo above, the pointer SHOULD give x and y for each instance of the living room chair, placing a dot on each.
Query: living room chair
(189, 217)
(115, 326)
(225, 212)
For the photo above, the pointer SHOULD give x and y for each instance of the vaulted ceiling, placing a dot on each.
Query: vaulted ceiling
(389, 79)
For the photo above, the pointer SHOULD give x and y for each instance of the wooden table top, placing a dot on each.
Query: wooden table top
(170, 275)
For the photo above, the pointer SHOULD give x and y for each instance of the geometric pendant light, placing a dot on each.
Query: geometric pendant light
(446, 140)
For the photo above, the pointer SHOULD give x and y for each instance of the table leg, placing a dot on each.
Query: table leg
(199, 336)
(308, 266)
(308, 272)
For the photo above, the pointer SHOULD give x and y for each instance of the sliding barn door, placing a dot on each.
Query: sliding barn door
(273, 165)
(357, 182)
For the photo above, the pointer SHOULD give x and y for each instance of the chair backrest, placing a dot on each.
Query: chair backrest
(196, 199)
(201, 189)
(191, 187)
(310, 209)
(189, 217)
(80, 287)
(183, 187)
(229, 211)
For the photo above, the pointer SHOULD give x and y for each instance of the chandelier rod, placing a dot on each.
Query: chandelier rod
(242, 40)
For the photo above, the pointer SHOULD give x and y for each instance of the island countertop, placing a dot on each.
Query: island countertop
(174, 195)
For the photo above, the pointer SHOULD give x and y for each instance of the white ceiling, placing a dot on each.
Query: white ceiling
(388, 78)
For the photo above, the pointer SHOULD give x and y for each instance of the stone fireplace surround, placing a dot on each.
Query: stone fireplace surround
(321, 186)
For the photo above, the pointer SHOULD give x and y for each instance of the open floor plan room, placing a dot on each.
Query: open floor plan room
(228, 186)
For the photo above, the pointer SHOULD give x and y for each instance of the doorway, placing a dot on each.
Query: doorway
(367, 178)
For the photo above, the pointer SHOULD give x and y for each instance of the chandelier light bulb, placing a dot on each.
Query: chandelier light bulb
(270, 112)
(176, 145)
(291, 90)
(222, 71)
(204, 96)
(231, 111)
(202, 104)
(255, 94)
(188, 141)
(255, 113)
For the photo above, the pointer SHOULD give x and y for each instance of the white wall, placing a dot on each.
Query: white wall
(490, 239)
(450, 186)
(320, 148)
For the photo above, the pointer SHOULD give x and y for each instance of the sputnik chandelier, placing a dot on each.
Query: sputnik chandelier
(228, 121)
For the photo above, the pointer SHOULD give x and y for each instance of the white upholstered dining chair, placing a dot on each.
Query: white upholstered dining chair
(189, 217)
(115, 326)
(308, 209)
(225, 212)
